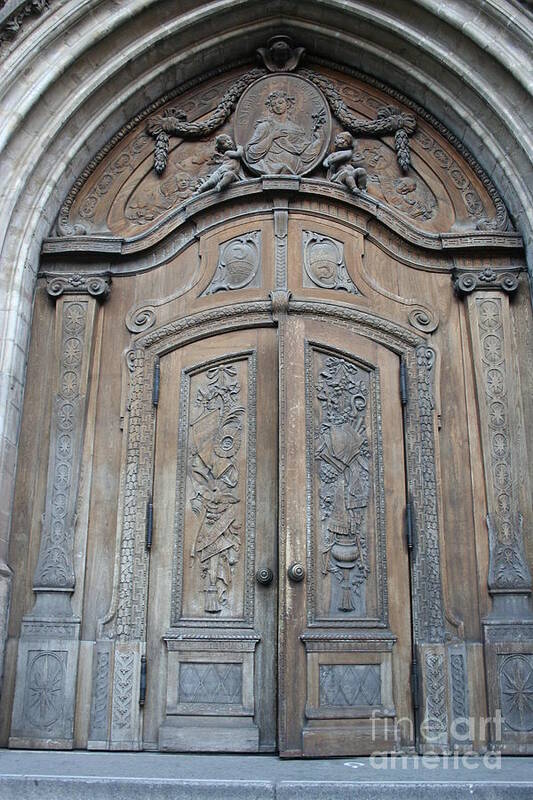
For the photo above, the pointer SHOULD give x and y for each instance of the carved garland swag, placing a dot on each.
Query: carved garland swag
(173, 121)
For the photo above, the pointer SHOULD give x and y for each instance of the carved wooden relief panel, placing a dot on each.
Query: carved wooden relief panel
(239, 264)
(215, 524)
(290, 133)
(324, 264)
(344, 457)
(314, 121)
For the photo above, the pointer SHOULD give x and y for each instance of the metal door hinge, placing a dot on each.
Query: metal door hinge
(149, 523)
(156, 383)
(414, 682)
(142, 685)
(410, 526)
(403, 383)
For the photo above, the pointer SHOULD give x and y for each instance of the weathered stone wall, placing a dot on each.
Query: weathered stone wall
(71, 74)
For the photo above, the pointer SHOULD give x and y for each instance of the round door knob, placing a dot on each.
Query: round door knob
(264, 576)
(296, 572)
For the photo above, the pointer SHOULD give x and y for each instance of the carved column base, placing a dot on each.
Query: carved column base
(509, 667)
(116, 715)
(434, 697)
(45, 693)
(444, 706)
(510, 607)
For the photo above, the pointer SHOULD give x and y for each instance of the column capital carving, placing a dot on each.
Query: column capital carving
(466, 281)
(97, 284)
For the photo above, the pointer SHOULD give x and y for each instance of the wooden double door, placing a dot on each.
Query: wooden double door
(279, 603)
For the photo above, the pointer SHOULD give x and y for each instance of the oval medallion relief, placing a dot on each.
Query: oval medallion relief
(283, 124)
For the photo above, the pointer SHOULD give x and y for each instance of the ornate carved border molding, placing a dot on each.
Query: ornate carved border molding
(15, 23)
(384, 224)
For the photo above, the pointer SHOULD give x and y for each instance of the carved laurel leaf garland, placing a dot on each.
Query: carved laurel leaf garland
(173, 121)
(389, 119)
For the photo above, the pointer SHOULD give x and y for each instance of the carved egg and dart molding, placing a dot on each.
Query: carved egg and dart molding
(290, 116)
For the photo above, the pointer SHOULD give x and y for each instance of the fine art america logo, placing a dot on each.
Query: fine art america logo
(464, 731)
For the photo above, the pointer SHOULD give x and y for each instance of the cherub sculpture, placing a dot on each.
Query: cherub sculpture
(230, 168)
(341, 164)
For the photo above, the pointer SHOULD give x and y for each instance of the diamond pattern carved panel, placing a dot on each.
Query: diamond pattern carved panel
(350, 684)
(210, 683)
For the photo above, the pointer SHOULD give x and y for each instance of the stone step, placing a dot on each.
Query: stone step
(45, 775)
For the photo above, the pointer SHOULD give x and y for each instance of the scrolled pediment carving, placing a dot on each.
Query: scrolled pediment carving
(423, 319)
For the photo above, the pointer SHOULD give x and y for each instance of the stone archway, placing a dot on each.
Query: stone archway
(40, 214)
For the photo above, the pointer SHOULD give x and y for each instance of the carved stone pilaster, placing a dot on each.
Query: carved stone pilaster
(43, 713)
(496, 389)
(508, 630)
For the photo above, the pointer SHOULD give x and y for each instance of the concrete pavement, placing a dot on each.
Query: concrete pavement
(52, 775)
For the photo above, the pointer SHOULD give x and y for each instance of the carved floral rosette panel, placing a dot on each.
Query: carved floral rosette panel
(345, 491)
(508, 564)
(215, 493)
(516, 691)
(55, 565)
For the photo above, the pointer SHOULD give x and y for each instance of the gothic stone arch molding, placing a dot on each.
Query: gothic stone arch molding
(122, 633)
